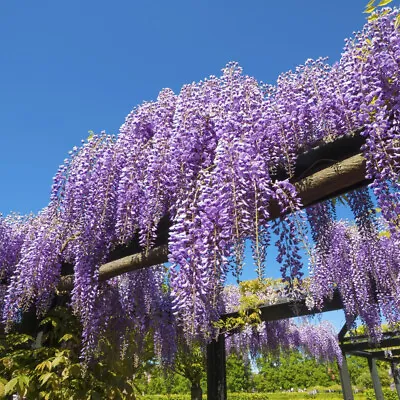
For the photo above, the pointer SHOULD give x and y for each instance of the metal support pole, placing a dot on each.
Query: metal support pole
(345, 380)
(396, 377)
(373, 369)
(216, 370)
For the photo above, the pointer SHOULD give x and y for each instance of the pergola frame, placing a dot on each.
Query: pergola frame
(322, 173)
(361, 346)
(283, 309)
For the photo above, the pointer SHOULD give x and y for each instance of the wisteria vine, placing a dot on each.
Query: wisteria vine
(211, 159)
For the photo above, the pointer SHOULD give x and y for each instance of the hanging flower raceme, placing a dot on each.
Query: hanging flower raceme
(213, 160)
(38, 268)
(319, 341)
(13, 230)
(365, 272)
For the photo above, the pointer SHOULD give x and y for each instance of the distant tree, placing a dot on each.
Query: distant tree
(294, 370)
(360, 375)
(238, 374)
(190, 363)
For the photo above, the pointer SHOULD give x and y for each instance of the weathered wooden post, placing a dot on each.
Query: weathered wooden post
(216, 369)
(345, 380)
(373, 369)
(396, 376)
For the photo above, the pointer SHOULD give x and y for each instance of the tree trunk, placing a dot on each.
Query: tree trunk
(196, 392)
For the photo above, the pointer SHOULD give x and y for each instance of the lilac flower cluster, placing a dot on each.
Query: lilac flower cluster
(33, 278)
(13, 230)
(213, 158)
(319, 341)
(136, 306)
(365, 272)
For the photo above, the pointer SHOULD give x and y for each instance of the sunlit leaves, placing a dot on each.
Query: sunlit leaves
(397, 22)
(384, 3)
(371, 6)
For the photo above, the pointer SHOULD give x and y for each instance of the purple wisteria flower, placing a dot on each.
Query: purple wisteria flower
(213, 159)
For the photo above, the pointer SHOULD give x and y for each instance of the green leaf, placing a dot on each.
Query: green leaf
(2, 390)
(75, 370)
(46, 395)
(23, 382)
(95, 396)
(24, 379)
(48, 320)
(369, 9)
(386, 12)
(57, 361)
(384, 3)
(21, 339)
(9, 388)
(44, 378)
(384, 234)
(43, 365)
(373, 17)
(66, 337)
(373, 101)
(397, 22)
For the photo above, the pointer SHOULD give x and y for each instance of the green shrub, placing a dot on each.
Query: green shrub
(231, 396)
(387, 394)
(248, 396)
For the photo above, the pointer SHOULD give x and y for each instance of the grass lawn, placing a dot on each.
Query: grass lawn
(319, 396)
(265, 396)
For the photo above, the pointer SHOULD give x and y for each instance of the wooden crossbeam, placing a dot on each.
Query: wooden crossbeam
(332, 181)
(130, 263)
(290, 308)
(366, 338)
(366, 345)
(378, 355)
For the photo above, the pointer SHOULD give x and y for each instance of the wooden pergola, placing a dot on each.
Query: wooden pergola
(388, 349)
(324, 172)
(283, 309)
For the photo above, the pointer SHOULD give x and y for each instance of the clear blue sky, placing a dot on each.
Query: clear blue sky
(72, 66)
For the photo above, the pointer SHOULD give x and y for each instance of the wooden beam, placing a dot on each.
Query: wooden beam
(343, 331)
(288, 308)
(345, 380)
(338, 178)
(366, 345)
(298, 308)
(396, 376)
(366, 338)
(376, 382)
(216, 369)
(378, 355)
(130, 263)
